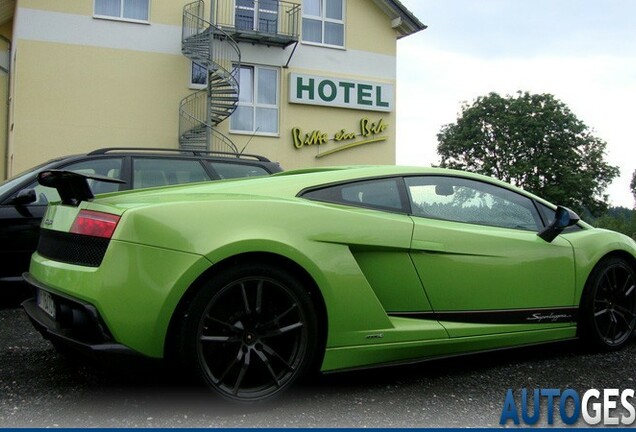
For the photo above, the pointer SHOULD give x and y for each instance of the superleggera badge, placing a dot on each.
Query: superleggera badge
(375, 336)
(551, 317)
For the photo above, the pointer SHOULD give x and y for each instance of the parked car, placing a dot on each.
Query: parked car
(23, 201)
(254, 284)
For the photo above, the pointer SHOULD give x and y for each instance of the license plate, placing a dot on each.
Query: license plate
(46, 303)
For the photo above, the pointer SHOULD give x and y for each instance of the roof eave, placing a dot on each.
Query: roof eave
(402, 20)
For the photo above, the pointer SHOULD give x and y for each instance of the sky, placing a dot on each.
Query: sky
(581, 51)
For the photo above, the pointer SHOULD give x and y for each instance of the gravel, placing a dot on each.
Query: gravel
(40, 388)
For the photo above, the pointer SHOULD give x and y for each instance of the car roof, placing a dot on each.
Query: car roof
(167, 152)
(163, 152)
(11, 185)
(337, 174)
(292, 183)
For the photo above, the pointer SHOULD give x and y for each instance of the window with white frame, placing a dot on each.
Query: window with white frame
(323, 22)
(257, 110)
(129, 10)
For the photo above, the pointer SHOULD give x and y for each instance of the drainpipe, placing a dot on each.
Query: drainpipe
(213, 11)
(208, 107)
(8, 116)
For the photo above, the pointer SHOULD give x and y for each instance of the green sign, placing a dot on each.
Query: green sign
(342, 93)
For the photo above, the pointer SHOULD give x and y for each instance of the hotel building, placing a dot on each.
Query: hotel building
(305, 83)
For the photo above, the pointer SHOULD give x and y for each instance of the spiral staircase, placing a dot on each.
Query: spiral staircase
(200, 112)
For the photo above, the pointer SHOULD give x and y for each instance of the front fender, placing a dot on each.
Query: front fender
(591, 246)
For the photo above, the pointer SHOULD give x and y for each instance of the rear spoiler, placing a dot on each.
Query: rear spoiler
(72, 187)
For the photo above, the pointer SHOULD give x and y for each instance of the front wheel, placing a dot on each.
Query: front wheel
(608, 307)
(250, 333)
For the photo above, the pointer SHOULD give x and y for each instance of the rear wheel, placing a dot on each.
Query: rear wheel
(608, 308)
(250, 333)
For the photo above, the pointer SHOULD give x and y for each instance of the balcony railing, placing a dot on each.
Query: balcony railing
(268, 22)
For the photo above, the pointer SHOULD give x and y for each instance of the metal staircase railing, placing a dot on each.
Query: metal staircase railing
(199, 113)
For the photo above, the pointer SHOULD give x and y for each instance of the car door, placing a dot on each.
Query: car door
(477, 253)
(20, 221)
(19, 229)
(378, 237)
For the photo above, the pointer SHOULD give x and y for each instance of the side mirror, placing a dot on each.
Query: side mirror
(24, 197)
(563, 218)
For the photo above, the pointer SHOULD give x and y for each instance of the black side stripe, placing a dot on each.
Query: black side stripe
(507, 316)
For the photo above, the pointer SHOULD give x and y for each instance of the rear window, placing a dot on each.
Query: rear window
(380, 194)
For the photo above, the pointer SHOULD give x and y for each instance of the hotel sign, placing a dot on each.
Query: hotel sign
(369, 132)
(342, 93)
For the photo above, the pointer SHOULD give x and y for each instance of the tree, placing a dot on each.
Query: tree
(533, 141)
(619, 219)
(632, 185)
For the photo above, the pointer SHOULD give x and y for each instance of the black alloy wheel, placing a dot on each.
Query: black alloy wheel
(251, 333)
(609, 312)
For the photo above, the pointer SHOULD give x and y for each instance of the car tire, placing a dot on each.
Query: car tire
(608, 307)
(250, 333)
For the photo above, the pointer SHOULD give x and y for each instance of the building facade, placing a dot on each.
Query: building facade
(306, 83)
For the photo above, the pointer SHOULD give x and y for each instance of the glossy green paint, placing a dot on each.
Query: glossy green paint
(135, 290)
(404, 352)
(364, 262)
(386, 270)
(592, 245)
(475, 267)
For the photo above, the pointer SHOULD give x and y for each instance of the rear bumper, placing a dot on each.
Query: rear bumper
(76, 325)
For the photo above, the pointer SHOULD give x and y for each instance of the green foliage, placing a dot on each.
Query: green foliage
(632, 185)
(534, 142)
(619, 219)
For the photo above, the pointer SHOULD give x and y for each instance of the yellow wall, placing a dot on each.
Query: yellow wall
(368, 28)
(77, 7)
(161, 11)
(327, 120)
(72, 99)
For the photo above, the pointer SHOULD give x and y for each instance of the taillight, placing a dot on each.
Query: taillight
(96, 224)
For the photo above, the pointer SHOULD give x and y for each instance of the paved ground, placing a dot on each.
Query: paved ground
(39, 388)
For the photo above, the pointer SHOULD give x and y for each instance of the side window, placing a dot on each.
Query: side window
(127, 10)
(549, 214)
(149, 172)
(258, 105)
(323, 22)
(103, 167)
(233, 170)
(382, 194)
(463, 200)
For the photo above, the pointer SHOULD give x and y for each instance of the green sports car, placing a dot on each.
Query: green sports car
(255, 283)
